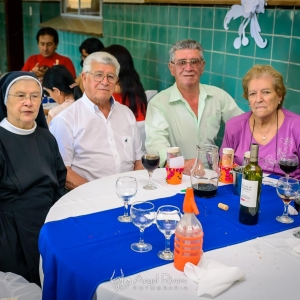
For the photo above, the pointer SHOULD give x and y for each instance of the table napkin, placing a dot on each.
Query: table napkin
(212, 276)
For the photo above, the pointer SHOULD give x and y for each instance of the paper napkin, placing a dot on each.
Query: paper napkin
(212, 276)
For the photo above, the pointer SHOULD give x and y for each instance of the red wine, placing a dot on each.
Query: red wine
(204, 190)
(287, 167)
(150, 163)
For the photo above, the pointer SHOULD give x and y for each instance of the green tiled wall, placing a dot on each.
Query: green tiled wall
(148, 31)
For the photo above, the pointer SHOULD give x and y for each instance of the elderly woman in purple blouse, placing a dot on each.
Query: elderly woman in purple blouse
(275, 129)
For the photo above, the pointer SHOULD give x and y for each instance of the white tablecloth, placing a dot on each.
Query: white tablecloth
(272, 269)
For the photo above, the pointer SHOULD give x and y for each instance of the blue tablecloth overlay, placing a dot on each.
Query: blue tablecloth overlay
(81, 252)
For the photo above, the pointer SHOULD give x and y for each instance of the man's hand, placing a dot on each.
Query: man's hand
(39, 71)
(73, 179)
(138, 165)
(188, 165)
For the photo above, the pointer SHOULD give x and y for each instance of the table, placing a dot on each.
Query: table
(272, 269)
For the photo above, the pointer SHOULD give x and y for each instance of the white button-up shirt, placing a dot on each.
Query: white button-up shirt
(95, 146)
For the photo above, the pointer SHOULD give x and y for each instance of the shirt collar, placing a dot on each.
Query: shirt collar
(176, 95)
(93, 107)
(10, 127)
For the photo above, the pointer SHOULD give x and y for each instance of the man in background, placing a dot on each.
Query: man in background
(97, 136)
(188, 113)
(47, 39)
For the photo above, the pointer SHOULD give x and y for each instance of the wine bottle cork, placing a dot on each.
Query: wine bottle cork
(223, 206)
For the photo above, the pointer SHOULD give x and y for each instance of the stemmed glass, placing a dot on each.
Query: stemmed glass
(150, 161)
(142, 216)
(167, 217)
(296, 233)
(288, 164)
(126, 188)
(287, 190)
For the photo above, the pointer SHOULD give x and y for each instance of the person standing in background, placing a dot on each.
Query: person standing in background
(86, 48)
(47, 39)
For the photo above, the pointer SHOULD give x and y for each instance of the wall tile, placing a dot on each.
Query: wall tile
(229, 85)
(220, 14)
(295, 51)
(195, 17)
(245, 64)
(207, 17)
(184, 16)
(217, 63)
(267, 20)
(206, 39)
(283, 21)
(154, 14)
(173, 15)
(296, 25)
(264, 52)
(163, 15)
(291, 101)
(281, 47)
(282, 68)
(195, 34)
(231, 65)
(183, 33)
(219, 39)
(293, 77)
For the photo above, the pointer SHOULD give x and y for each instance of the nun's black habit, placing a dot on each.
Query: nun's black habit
(32, 179)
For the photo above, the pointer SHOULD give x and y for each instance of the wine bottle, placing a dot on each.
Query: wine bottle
(250, 190)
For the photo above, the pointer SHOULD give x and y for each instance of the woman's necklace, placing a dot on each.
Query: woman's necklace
(264, 136)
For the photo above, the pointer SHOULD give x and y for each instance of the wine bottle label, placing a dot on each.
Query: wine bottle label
(249, 193)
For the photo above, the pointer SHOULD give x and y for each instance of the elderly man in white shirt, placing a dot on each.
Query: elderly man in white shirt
(97, 136)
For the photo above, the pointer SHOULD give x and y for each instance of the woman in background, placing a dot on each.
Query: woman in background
(129, 90)
(88, 47)
(274, 128)
(59, 84)
(32, 173)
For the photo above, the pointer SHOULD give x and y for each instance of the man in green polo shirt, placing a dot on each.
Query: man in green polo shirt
(188, 113)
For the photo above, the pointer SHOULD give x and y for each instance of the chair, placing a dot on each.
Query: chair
(13, 285)
(150, 94)
(141, 126)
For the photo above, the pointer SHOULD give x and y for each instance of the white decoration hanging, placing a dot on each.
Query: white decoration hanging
(248, 9)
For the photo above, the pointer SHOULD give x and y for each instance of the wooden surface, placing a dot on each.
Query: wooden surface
(212, 2)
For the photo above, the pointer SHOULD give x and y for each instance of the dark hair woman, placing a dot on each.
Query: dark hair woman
(59, 84)
(129, 90)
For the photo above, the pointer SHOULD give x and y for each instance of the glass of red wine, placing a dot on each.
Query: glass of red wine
(287, 190)
(288, 164)
(150, 161)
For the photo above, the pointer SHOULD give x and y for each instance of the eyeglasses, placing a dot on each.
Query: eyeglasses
(99, 77)
(194, 63)
(21, 97)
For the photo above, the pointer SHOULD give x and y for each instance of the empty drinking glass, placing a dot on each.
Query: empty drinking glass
(142, 215)
(167, 217)
(126, 188)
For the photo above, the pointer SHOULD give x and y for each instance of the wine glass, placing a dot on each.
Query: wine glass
(287, 190)
(296, 233)
(167, 217)
(142, 216)
(288, 164)
(150, 161)
(126, 188)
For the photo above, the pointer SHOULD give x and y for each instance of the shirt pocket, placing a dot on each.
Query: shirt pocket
(128, 146)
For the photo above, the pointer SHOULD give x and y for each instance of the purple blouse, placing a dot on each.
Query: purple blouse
(238, 137)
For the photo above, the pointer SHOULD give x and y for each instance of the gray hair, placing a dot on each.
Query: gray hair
(102, 58)
(186, 44)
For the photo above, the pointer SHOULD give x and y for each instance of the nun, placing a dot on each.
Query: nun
(32, 173)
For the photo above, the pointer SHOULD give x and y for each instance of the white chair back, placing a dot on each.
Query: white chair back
(16, 287)
(141, 126)
(150, 94)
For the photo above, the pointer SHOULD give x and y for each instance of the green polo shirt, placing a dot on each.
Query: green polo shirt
(171, 122)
